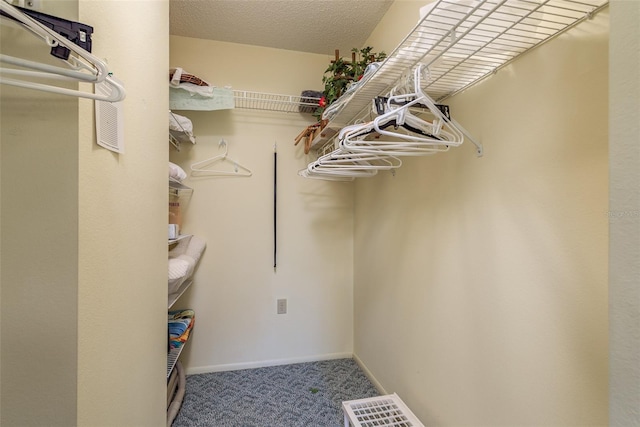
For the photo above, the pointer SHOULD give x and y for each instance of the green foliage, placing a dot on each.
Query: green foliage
(341, 73)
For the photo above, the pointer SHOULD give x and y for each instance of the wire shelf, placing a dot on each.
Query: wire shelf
(183, 287)
(172, 359)
(463, 42)
(173, 355)
(274, 102)
(176, 188)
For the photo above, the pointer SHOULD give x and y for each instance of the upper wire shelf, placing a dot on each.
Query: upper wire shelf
(227, 98)
(462, 42)
(274, 102)
(251, 100)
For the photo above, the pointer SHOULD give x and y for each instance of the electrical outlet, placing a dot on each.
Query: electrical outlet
(282, 306)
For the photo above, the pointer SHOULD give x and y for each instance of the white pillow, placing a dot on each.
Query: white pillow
(176, 172)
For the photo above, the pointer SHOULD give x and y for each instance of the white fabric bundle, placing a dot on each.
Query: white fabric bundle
(176, 172)
(180, 123)
(181, 127)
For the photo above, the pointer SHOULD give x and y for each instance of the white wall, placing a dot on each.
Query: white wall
(481, 283)
(624, 214)
(235, 288)
(83, 235)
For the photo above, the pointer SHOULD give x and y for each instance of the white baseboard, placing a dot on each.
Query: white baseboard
(369, 375)
(265, 363)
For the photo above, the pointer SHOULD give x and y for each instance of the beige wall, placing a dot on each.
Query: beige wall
(397, 23)
(83, 236)
(236, 287)
(624, 214)
(481, 283)
(39, 281)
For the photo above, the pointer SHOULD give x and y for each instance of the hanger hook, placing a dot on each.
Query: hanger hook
(51, 42)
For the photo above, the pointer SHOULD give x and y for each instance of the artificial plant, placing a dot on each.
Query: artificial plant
(340, 74)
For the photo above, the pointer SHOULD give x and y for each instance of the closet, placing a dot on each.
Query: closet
(445, 209)
(460, 282)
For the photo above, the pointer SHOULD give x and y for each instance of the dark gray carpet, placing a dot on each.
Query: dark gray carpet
(298, 395)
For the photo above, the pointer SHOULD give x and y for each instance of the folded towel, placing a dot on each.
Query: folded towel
(178, 268)
(180, 324)
(183, 259)
(196, 248)
(181, 314)
(179, 271)
(177, 328)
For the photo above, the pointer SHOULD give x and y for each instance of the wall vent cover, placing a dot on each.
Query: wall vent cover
(109, 121)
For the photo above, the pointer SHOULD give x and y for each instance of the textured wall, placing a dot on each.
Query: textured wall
(481, 283)
(122, 226)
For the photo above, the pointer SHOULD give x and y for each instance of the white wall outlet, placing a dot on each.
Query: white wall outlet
(282, 306)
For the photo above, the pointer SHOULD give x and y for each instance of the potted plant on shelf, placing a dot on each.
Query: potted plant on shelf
(336, 79)
(340, 74)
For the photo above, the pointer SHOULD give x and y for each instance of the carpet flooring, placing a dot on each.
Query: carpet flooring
(297, 395)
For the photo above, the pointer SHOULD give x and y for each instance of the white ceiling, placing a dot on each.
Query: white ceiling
(316, 26)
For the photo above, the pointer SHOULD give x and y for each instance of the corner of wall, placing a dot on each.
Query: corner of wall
(624, 214)
(122, 225)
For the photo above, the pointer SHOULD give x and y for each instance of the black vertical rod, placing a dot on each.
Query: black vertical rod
(275, 211)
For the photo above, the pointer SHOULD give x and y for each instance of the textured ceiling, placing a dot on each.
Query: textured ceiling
(316, 26)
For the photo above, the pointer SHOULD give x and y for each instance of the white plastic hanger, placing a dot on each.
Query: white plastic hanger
(365, 148)
(201, 168)
(83, 67)
(410, 135)
(342, 164)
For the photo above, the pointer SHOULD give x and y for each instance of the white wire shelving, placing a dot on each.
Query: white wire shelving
(274, 102)
(176, 188)
(262, 101)
(173, 355)
(462, 42)
(183, 287)
(251, 100)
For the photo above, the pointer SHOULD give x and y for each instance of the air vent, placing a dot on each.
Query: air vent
(109, 121)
